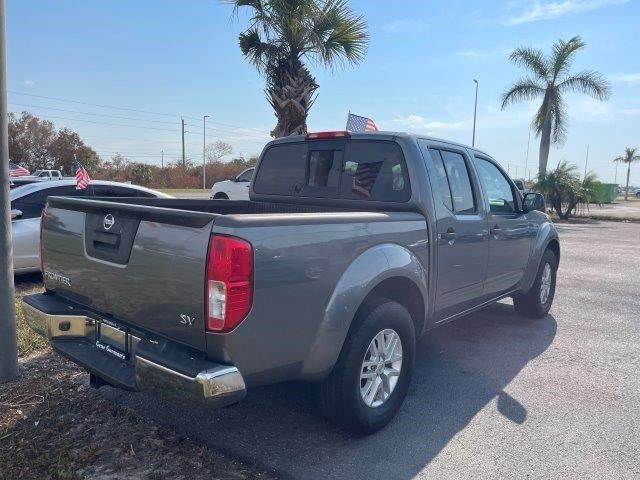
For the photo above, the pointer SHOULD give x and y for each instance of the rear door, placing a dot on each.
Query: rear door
(511, 232)
(461, 225)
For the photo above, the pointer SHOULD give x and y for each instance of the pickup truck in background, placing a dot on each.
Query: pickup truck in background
(351, 247)
(236, 188)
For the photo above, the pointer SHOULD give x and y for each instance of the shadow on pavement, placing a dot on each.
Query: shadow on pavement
(460, 368)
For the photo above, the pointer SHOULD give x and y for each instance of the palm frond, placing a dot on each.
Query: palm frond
(338, 35)
(629, 156)
(525, 88)
(255, 49)
(562, 56)
(531, 58)
(588, 82)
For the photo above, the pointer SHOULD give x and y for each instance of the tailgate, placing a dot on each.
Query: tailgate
(138, 265)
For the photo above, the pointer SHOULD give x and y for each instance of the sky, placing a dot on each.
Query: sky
(122, 74)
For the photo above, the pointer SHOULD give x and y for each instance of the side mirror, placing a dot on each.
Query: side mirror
(533, 201)
(16, 214)
(234, 179)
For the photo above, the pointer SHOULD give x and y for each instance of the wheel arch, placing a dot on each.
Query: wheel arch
(387, 270)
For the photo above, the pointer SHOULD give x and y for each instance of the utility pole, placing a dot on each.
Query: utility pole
(161, 159)
(586, 162)
(204, 152)
(8, 336)
(615, 178)
(184, 161)
(475, 110)
(516, 176)
(526, 160)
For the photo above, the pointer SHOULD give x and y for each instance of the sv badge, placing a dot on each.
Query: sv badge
(187, 320)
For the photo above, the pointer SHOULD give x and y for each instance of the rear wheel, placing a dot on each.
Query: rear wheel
(370, 380)
(537, 301)
(220, 196)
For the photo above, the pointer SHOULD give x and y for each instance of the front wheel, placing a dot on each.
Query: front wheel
(370, 380)
(537, 301)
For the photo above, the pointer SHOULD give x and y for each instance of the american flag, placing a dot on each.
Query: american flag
(357, 124)
(82, 177)
(16, 170)
(365, 177)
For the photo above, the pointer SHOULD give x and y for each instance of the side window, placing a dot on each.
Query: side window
(31, 205)
(459, 182)
(282, 170)
(113, 191)
(374, 171)
(246, 176)
(443, 183)
(496, 187)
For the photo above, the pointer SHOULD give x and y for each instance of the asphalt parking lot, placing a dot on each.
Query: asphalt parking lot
(493, 395)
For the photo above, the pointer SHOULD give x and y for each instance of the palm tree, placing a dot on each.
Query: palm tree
(550, 79)
(282, 34)
(628, 157)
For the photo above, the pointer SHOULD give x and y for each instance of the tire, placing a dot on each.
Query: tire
(530, 304)
(341, 399)
(220, 196)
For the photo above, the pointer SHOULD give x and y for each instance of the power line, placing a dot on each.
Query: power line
(94, 114)
(134, 110)
(94, 104)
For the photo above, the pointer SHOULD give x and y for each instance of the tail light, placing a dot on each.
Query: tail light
(229, 282)
(42, 217)
(325, 135)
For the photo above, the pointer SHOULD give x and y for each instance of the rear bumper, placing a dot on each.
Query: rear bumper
(150, 364)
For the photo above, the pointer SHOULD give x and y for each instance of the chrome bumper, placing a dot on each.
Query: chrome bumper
(221, 384)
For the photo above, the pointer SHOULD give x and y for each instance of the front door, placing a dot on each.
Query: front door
(462, 236)
(510, 231)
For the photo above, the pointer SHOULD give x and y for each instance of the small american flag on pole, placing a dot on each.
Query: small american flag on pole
(358, 124)
(82, 177)
(16, 170)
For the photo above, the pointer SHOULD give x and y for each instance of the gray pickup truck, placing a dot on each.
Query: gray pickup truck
(351, 247)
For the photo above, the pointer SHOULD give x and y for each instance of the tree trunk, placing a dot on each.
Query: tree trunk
(545, 145)
(626, 191)
(290, 91)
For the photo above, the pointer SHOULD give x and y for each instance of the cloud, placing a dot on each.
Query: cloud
(418, 123)
(549, 10)
(625, 77)
(405, 24)
(29, 83)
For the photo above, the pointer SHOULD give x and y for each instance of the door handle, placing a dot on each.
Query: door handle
(450, 234)
(495, 230)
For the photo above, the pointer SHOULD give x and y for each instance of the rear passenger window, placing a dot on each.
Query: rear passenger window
(459, 182)
(282, 170)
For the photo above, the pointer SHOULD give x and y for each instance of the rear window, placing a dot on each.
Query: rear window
(351, 170)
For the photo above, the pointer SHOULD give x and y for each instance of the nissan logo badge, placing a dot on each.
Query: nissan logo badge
(108, 221)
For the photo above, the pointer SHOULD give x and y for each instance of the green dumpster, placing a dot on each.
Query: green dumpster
(608, 192)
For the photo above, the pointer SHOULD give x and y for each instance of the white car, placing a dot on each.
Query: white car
(28, 201)
(237, 188)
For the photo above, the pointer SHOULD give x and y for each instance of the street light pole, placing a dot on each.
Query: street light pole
(204, 151)
(475, 110)
(526, 160)
(8, 337)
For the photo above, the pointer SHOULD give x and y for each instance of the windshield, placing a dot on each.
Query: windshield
(37, 173)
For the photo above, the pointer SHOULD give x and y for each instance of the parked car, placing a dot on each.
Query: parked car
(44, 175)
(351, 247)
(236, 188)
(28, 201)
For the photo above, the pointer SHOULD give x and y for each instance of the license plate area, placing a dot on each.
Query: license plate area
(113, 339)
